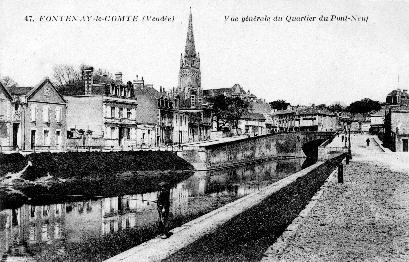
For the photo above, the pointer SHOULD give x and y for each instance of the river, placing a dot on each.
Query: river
(99, 228)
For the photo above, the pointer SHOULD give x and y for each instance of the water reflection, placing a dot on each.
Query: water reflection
(31, 231)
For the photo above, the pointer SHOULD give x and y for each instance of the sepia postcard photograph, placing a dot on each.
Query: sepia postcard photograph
(208, 130)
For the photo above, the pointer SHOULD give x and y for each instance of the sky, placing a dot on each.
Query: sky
(302, 62)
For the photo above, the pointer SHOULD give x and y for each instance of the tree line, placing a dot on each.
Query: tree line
(362, 106)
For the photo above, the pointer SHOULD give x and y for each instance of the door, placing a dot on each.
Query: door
(33, 139)
(15, 132)
(58, 138)
(405, 145)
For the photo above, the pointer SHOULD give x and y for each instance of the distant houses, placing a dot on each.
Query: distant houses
(304, 119)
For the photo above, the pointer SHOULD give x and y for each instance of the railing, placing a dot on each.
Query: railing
(8, 148)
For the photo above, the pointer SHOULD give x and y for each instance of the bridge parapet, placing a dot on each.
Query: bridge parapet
(232, 152)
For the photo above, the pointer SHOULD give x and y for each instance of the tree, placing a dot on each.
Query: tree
(365, 105)
(336, 107)
(64, 74)
(236, 108)
(279, 105)
(228, 110)
(219, 110)
(322, 106)
(8, 81)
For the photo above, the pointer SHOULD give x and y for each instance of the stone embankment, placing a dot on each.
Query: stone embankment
(241, 230)
(363, 219)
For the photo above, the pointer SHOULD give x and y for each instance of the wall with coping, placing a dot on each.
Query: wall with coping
(231, 152)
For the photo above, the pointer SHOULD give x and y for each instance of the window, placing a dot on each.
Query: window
(121, 112)
(44, 233)
(3, 107)
(32, 234)
(32, 212)
(57, 231)
(33, 112)
(57, 137)
(129, 113)
(46, 211)
(58, 114)
(46, 137)
(112, 132)
(58, 209)
(46, 117)
(128, 133)
(180, 123)
(112, 112)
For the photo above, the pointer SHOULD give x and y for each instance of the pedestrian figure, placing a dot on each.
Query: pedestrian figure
(163, 205)
(367, 142)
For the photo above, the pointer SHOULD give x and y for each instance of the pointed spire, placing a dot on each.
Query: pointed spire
(190, 41)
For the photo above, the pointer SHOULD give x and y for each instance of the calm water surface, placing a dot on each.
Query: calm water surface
(96, 229)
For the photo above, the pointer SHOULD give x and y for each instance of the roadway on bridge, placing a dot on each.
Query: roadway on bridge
(364, 219)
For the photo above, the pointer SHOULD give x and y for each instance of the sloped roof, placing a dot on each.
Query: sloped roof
(19, 90)
(398, 92)
(6, 92)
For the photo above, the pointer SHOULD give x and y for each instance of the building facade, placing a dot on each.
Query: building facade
(398, 97)
(304, 119)
(10, 121)
(38, 117)
(104, 112)
(396, 135)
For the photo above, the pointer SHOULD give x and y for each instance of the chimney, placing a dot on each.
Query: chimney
(118, 77)
(138, 83)
(88, 79)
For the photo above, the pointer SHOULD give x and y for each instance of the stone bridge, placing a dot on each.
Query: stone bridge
(218, 154)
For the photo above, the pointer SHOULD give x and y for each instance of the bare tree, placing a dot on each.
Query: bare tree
(64, 74)
(8, 81)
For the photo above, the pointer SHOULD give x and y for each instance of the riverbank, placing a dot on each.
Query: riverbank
(363, 219)
(45, 177)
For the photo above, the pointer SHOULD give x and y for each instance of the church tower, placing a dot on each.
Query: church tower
(189, 86)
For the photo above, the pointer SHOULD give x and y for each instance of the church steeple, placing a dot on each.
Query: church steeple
(189, 84)
(190, 50)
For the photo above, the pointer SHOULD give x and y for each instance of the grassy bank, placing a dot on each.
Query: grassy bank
(90, 164)
(90, 174)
